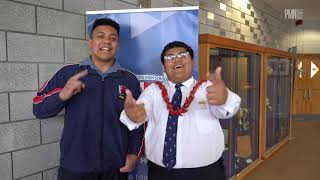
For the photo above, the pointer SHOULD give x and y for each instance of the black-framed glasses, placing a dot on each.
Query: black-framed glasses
(172, 57)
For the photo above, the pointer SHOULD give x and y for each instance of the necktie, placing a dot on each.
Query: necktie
(169, 150)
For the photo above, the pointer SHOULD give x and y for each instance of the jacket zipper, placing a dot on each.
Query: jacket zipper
(102, 125)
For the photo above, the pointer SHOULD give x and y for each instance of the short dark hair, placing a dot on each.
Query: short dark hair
(175, 44)
(105, 22)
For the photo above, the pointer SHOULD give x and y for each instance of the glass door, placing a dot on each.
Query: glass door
(279, 83)
(241, 74)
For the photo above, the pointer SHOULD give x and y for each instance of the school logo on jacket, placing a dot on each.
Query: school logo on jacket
(122, 92)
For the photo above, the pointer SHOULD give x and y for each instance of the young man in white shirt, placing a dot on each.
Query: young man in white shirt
(184, 139)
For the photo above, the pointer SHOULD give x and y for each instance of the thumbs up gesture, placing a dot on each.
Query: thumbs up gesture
(135, 111)
(73, 86)
(216, 93)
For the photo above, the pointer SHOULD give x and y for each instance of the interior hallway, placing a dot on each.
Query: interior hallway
(297, 160)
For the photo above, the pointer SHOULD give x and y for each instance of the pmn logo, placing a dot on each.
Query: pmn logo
(293, 13)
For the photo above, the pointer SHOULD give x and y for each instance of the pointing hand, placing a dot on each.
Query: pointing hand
(216, 93)
(135, 111)
(73, 86)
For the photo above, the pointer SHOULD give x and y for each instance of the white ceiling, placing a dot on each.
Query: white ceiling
(311, 8)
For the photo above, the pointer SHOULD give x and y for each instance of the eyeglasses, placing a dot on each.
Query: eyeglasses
(172, 57)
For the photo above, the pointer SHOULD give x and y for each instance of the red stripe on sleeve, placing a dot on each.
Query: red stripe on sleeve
(142, 147)
(39, 99)
(44, 85)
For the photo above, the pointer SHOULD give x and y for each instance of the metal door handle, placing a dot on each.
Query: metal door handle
(304, 94)
(309, 93)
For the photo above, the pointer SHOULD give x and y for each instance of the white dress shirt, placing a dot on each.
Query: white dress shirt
(200, 139)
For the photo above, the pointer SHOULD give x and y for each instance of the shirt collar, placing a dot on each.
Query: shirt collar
(88, 62)
(188, 83)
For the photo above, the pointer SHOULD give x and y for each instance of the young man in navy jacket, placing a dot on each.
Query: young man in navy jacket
(95, 145)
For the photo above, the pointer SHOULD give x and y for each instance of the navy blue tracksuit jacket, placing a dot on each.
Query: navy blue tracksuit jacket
(93, 138)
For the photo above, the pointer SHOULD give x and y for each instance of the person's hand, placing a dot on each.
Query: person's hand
(131, 162)
(216, 93)
(135, 112)
(73, 86)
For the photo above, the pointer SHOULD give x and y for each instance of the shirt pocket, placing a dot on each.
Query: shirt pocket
(205, 122)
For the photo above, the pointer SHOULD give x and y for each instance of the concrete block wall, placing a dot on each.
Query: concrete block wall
(37, 37)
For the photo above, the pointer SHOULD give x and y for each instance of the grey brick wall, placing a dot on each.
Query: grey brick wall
(3, 53)
(19, 135)
(17, 17)
(5, 164)
(38, 37)
(56, 4)
(33, 160)
(164, 3)
(18, 77)
(114, 4)
(46, 71)
(33, 177)
(75, 50)
(34, 48)
(83, 5)
(21, 105)
(4, 107)
(60, 23)
(51, 129)
(50, 174)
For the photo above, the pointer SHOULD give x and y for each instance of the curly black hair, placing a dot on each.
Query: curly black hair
(175, 44)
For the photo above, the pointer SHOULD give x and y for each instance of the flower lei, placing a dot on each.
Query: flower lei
(186, 104)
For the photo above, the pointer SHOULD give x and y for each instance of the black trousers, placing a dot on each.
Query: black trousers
(215, 171)
(64, 174)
